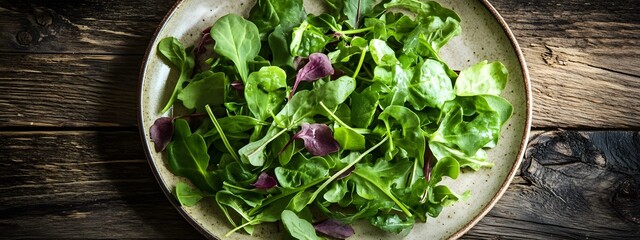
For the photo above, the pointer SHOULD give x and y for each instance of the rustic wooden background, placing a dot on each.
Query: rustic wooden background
(72, 164)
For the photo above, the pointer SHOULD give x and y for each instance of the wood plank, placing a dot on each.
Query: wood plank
(82, 184)
(66, 90)
(62, 184)
(98, 27)
(583, 59)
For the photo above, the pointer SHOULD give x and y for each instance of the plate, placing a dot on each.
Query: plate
(485, 35)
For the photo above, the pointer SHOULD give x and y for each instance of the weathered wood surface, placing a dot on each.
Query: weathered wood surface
(96, 185)
(582, 56)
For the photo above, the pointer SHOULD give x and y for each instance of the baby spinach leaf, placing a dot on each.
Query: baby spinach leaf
(393, 223)
(348, 139)
(334, 229)
(265, 91)
(186, 195)
(482, 78)
(307, 39)
(301, 171)
(172, 50)
(161, 132)
(207, 91)
(366, 102)
(236, 39)
(298, 227)
(188, 157)
(430, 86)
(382, 54)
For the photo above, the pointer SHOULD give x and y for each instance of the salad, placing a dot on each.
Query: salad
(318, 121)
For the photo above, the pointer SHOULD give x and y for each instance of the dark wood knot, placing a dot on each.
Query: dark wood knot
(626, 199)
(24, 38)
(43, 18)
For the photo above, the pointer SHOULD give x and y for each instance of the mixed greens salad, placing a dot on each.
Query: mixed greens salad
(317, 121)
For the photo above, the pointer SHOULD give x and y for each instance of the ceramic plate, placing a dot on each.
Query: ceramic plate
(484, 36)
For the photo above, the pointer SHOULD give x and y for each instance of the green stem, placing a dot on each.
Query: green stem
(267, 142)
(174, 95)
(390, 195)
(343, 170)
(242, 226)
(355, 31)
(336, 117)
(364, 52)
(222, 136)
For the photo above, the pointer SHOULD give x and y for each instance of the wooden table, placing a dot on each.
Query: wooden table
(72, 164)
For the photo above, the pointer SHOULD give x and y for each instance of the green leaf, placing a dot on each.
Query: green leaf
(186, 195)
(366, 102)
(227, 200)
(307, 39)
(446, 166)
(301, 171)
(279, 44)
(188, 157)
(355, 10)
(411, 140)
(172, 50)
(336, 191)
(298, 227)
(482, 79)
(375, 182)
(382, 54)
(265, 91)
(235, 124)
(253, 153)
(392, 223)
(236, 39)
(207, 91)
(349, 139)
(430, 85)
(474, 161)
(264, 16)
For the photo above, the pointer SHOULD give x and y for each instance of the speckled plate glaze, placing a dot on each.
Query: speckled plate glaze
(484, 36)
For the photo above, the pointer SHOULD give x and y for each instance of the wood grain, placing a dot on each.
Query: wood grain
(582, 56)
(574, 185)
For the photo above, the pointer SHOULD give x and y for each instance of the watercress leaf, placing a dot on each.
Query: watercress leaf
(301, 171)
(174, 51)
(298, 227)
(265, 91)
(430, 85)
(236, 39)
(382, 54)
(365, 104)
(334, 229)
(482, 78)
(188, 157)
(186, 195)
(393, 223)
(318, 66)
(348, 139)
(206, 91)
(265, 181)
(161, 132)
(307, 39)
(355, 10)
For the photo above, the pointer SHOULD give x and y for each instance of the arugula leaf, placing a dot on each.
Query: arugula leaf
(172, 50)
(236, 39)
(188, 157)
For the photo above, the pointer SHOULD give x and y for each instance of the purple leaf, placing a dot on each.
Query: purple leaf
(200, 50)
(237, 85)
(319, 66)
(265, 181)
(334, 229)
(161, 132)
(318, 139)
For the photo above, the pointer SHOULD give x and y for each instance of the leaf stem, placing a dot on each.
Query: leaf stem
(355, 31)
(390, 195)
(336, 175)
(284, 194)
(364, 52)
(222, 136)
(336, 118)
(174, 95)
(242, 226)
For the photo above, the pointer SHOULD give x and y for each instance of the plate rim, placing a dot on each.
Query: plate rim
(483, 212)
